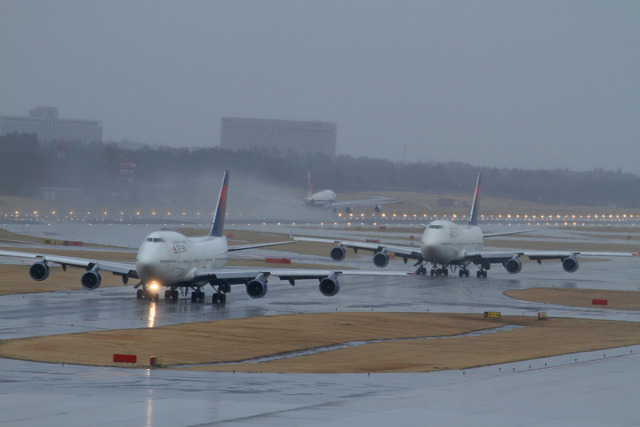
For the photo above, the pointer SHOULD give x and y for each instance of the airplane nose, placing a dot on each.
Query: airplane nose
(145, 270)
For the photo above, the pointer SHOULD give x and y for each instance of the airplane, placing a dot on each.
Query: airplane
(172, 260)
(328, 199)
(447, 245)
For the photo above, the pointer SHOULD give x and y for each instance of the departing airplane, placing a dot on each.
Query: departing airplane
(446, 245)
(327, 199)
(169, 259)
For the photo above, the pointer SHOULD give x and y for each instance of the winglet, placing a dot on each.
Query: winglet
(217, 225)
(473, 216)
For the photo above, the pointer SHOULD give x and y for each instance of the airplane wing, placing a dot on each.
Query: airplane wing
(511, 259)
(404, 252)
(365, 202)
(243, 275)
(500, 256)
(257, 245)
(123, 269)
(508, 233)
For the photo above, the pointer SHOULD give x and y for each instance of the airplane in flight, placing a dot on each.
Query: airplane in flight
(171, 260)
(447, 245)
(328, 199)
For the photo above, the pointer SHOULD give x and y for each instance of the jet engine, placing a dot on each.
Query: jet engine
(514, 265)
(338, 253)
(91, 279)
(570, 264)
(257, 288)
(329, 286)
(39, 271)
(377, 208)
(381, 259)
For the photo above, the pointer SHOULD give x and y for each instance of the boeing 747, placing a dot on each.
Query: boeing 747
(171, 260)
(328, 199)
(447, 245)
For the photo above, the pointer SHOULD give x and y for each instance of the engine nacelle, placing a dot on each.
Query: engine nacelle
(381, 259)
(348, 209)
(377, 208)
(338, 253)
(513, 266)
(570, 264)
(257, 288)
(329, 286)
(39, 271)
(91, 279)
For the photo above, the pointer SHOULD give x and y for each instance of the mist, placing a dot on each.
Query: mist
(534, 85)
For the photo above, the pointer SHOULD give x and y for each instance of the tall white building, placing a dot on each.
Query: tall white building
(282, 135)
(45, 123)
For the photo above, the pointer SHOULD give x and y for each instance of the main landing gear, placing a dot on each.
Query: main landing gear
(222, 288)
(444, 271)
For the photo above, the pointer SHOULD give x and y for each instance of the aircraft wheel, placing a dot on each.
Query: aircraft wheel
(167, 294)
(445, 272)
(194, 296)
(478, 274)
(139, 294)
(433, 272)
(175, 295)
(461, 273)
(466, 273)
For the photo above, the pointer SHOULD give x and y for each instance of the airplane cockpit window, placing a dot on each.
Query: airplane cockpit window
(436, 227)
(154, 239)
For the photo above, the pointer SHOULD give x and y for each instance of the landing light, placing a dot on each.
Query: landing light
(154, 286)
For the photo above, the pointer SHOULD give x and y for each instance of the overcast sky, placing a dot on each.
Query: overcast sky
(524, 84)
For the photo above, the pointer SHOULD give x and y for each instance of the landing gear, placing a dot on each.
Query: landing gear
(421, 270)
(172, 295)
(219, 298)
(481, 274)
(463, 272)
(222, 288)
(197, 296)
(444, 271)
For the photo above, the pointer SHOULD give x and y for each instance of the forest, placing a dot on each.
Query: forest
(27, 165)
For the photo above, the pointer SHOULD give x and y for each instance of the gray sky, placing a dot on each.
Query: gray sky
(525, 84)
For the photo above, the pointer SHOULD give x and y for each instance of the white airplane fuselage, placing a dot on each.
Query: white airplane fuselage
(444, 241)
(321, 198)
(167, 257)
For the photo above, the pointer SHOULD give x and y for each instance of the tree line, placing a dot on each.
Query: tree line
(26, 165)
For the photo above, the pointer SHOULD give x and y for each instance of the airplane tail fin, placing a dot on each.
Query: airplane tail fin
(473, 216)
(217, 225)
(309, 184)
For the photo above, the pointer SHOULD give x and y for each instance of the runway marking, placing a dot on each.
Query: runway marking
(324, 349)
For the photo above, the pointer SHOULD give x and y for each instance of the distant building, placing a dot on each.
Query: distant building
(45, 123)
(278, 136)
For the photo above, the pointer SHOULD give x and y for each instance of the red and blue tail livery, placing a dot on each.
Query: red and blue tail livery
(473, 216)
(217, 225)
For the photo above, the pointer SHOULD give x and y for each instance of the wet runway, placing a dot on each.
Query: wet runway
(596, 388)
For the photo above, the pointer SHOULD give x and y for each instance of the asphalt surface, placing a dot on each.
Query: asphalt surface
(596, 388)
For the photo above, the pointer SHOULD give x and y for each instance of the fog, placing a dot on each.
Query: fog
(545, 84)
